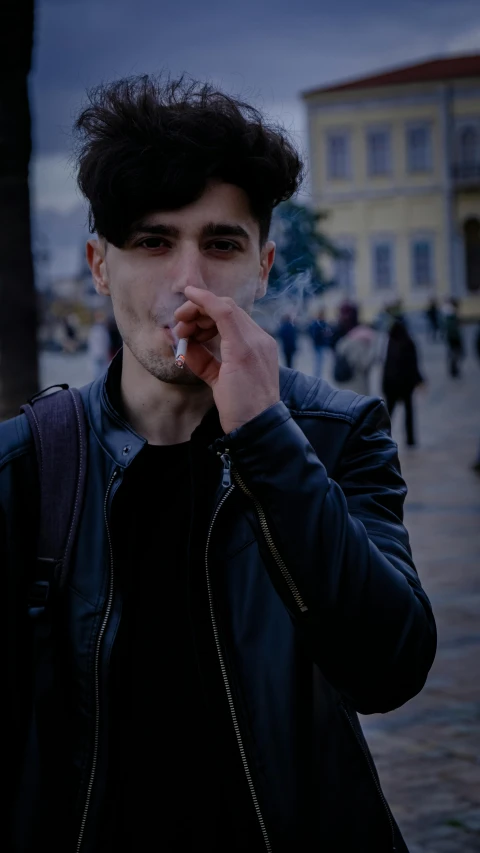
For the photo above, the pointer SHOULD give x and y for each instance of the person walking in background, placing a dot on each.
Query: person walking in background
(320, 333)
(355, 354)
(391, 311)
(99, 344)
(453, 336)
(347, 320)
(383, 319)
(401, 375)
(476, 464)
(288, 338)
(70, 333)
(397, 311)
(432, 315)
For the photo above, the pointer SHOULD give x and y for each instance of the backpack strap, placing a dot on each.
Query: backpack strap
(58, 426)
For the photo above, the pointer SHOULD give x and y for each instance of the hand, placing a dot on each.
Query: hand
(245, 381)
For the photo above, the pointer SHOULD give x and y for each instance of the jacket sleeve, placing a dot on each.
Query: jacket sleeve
(368, 622)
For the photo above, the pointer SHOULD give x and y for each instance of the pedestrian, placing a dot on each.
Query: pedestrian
(354, 357)
(383, 319)
(453, 336)
(320, 333)
(69, 333)
(238, 582)
(397, 311)
(288, 334)
(99, 345)
(401, 375)
(346, 321)
(476, 464)
(432, 315)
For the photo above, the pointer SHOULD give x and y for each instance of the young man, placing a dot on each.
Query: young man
(242, 583)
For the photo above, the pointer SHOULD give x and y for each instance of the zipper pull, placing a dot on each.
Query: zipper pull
(227, 470)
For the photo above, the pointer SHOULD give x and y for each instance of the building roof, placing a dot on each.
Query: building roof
(451, 68)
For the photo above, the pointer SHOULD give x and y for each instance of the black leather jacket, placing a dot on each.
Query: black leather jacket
(316, 608)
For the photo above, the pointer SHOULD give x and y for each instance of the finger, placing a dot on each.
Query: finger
(205, 335)
(184, 329)
(204, 322)
(222, 309)
(202, 363)
(188, 311)
(193, 332)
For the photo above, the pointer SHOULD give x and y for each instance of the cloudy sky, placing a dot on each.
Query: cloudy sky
(266, 50)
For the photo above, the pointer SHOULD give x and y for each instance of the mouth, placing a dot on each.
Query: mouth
(171, 338)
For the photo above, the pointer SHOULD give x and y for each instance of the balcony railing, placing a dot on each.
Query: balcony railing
(466, 174)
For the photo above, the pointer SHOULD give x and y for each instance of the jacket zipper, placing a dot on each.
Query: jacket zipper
(372, 773)
(223, 668)
(227, 470)
(96, 674)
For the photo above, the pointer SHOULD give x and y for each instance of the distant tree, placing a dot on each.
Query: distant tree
(18, 316)
(301, 247)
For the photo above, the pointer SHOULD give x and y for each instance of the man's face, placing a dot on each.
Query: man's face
(212, 243)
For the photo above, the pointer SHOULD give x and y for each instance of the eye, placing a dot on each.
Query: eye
(153, 243)
(223, 246)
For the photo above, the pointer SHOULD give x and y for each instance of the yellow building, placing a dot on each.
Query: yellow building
(395, 162)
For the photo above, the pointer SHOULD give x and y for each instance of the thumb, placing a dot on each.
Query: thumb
(202, 362)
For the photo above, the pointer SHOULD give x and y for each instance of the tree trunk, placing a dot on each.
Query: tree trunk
(18, 315)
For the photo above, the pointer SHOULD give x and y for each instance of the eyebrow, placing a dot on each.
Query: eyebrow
(224, 229)
(212, 229)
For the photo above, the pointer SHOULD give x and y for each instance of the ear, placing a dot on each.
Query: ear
(96, 251)
(267, 258)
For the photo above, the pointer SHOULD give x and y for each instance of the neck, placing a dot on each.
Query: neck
(161, 412)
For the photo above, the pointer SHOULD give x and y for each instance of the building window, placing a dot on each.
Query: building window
(338, 155)
(345, 266)
(469, 146)
(466, 167)
(419, 148)
(422, 261)
(382, 263)
(378, 152)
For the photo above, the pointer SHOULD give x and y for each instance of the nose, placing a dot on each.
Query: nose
(187, 269)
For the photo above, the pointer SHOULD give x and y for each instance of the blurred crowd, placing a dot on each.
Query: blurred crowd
(388, 341)
(102, 339)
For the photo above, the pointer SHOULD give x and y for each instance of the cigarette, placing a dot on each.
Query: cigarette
(181, 352)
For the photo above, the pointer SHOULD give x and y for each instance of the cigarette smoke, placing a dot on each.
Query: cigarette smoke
(290, 295)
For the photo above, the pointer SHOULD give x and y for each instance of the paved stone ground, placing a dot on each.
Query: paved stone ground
(427, 752)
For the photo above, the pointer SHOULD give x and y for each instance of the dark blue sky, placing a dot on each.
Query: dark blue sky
(264, 50)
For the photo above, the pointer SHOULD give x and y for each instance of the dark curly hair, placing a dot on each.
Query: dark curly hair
(152, 143)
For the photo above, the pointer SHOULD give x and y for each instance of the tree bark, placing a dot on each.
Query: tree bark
(18, 314)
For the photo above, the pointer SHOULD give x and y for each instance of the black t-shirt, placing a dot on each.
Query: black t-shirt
(176, 780)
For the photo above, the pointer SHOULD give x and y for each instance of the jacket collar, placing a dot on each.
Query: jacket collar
(123, 444)
(116, 436)
(113, 433)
